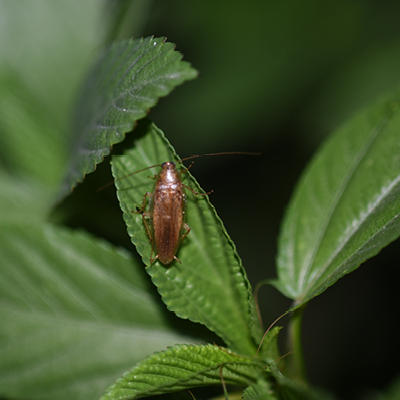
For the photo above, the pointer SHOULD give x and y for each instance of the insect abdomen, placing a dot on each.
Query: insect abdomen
(167, 222)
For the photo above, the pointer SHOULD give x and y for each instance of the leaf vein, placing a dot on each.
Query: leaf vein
(309, 260)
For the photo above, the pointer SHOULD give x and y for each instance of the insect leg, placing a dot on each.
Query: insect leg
(189, 188)
(190, 166)
(147, 214)
(148, 194)
(196, 193)
(148, 230)
(186, 227)
(177, 259)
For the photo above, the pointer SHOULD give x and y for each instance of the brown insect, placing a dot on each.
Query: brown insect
(167, 227)
(165, 220)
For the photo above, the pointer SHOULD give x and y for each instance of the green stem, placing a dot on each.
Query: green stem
(296, 366)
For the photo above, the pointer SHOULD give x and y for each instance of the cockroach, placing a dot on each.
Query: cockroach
(165, 220)
(167, 228)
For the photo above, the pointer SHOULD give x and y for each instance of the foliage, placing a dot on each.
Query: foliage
(81, 315)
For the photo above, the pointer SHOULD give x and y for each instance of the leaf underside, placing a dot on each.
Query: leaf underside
(345, 208)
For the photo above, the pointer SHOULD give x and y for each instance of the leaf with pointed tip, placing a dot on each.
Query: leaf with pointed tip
(127, 80)
(346, 206)
(75, 314)
(183, 367)
(270, 349)
(262, 390)
(210, 286)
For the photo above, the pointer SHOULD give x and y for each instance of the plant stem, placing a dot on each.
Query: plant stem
(296, 366)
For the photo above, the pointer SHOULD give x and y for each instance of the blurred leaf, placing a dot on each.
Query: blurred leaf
(75, 314)
(392, 393)
(366, 74)
(210, 286)
(289, 390)
(130, 17)
(45, 47)
(345, 208)
(183, 367)
(30, 139)
(262, 390)
(22, 201)
(270, 348)
(127, 80)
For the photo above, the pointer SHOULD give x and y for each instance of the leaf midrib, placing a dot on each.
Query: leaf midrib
(375, 132)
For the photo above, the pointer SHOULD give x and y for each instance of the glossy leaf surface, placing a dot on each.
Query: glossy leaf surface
(346, 206)
(210, 285)
(183, 367)
(127, 80)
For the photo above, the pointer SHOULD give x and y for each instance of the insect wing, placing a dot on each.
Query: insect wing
(167, 221)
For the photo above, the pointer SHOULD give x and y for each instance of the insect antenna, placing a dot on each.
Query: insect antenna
(269, 328)
(126, 176)
(181, 160)
(219, 154)
(223, 382)
(256, 300)
(194, 398)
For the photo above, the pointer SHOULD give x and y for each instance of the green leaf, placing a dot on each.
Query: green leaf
(262, 390)
(210, 286)
(289, 390)
(392, 392)
(45, 48)
(229, 105)
(127, 80)
(270, 349)
(22, 201)
(183, 367)
(75, 314)
(346, 207)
